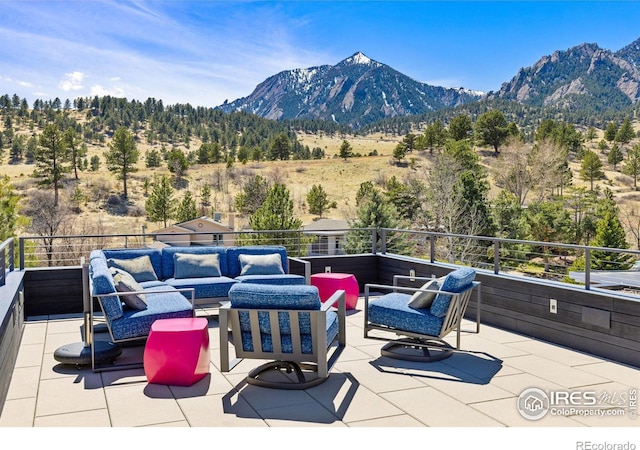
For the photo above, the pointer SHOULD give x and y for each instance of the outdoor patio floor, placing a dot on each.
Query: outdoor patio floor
(477, 387)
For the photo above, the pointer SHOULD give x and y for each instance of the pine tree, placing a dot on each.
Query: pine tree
(276, 213)
(51, 158)
(122, 156)
(159, 205)
(186, 209)
(632, 165)
(345, 151)
(610, 234)
(591, 168)
(318, 200)
(615, 156)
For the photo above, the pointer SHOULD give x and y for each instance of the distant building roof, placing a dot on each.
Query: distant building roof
(327, 227)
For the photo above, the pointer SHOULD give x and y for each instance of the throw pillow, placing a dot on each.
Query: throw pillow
(125, 283)
(140, 268)
(269, 264)
(188, 265)
(423, 300)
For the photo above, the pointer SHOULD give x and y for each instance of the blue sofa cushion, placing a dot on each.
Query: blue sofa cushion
(187, 265)
(393, 310)
(102, 283)
(233, 257)
(168, 261)
(456, 281)
(165, 305)
(269, 264)
(204, 287)
(154, 255)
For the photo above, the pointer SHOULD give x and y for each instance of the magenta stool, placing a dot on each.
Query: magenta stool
(177, 351)
(328, 283)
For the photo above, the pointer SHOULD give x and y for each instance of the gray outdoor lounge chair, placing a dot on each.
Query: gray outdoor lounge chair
(287, 325)
(422, 319)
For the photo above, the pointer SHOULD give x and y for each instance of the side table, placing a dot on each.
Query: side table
(177, 351)
(328, 283)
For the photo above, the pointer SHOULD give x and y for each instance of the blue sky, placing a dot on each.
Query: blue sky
(203, 52)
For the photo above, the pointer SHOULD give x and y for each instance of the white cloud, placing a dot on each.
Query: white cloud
(72, 81)
(101, 91)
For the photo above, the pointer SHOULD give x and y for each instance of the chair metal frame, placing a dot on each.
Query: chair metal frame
(318, 361)
(432, 348)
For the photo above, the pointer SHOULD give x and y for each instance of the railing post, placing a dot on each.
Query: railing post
(374, 240)
(587, 269)
(144, 235)
(383, 240)
(299, 243)
(21, 253)
(496, 257)
(432, 248)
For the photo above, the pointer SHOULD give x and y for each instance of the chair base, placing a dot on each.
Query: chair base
(257, 376)
(417, 350)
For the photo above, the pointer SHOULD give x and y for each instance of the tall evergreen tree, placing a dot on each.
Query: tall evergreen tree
(122, 156)
(276, 213)
(491, 128)
(591, 167)
(51, 159)
(610, 234)
(160, 206)
(632, 165)
(186, 210)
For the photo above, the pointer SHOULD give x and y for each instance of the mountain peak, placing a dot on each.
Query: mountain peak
(358, 58)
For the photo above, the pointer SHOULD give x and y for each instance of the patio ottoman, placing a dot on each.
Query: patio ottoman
(329, 283)
(177, 351)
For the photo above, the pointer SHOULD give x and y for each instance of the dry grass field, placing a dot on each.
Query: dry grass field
(339, 178)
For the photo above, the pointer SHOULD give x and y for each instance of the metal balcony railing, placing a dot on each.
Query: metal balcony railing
(543, 260)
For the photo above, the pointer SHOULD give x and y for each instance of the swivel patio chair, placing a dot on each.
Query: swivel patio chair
(422, 317)
(287, 325)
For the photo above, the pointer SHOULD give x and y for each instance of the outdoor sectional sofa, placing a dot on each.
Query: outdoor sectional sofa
(187, 267)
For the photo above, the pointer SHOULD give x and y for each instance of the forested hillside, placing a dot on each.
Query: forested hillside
(105, 164)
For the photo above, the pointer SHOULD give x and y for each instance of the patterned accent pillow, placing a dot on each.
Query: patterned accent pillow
(140, 268)
(269, 264)
(125, 283)
(189, 265)
(423, 300)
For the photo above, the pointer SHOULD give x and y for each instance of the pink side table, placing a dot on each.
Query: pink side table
(328, 283)
(177, 351)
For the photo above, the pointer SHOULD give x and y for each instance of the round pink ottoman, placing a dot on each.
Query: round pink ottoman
(329, 283)
(177, 351)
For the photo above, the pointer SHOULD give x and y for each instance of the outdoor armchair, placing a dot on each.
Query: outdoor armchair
(287, 325)
(422, 317)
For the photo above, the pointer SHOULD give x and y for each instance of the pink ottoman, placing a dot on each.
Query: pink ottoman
(328, 283)
(177, 351)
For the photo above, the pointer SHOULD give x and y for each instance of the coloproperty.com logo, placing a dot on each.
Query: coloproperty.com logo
(534, 403)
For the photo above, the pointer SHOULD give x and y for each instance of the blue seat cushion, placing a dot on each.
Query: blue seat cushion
(456, 281)
(164, 305)
(281, 280)
(205, 287)
(393, 310)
